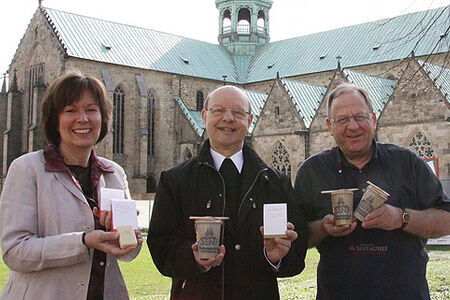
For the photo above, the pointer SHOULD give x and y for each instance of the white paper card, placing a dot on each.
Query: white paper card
(123, 213)
(106, 195)
(275, 219)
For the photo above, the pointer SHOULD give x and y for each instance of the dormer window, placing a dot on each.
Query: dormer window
(105, 47)
(185, 60)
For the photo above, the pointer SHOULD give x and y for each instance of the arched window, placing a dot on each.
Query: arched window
(421, 145)
(36, 76)
(226, 21)
(150, 124)
(199, 100)
(261, 22)
(118, 120)
(243, 25)
(280, 159)
(187, 154)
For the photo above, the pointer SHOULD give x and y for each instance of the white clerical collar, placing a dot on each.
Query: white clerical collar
(237, 158)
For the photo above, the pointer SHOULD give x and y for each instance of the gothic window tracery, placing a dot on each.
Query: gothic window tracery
(280, 159)
(118, 120)
(421, 145)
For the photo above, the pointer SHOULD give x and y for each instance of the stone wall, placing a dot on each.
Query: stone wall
(417, 110)
(39, 45)
(294, 144)
(416, 107)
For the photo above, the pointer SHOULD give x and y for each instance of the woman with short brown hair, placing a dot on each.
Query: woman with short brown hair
(53, 238)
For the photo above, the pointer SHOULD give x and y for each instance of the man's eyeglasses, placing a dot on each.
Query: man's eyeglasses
(238, 113)
(359, 118)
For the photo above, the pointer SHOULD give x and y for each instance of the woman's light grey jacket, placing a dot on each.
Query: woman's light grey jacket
(42, 218)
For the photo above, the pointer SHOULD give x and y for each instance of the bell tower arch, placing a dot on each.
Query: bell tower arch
(243, 25)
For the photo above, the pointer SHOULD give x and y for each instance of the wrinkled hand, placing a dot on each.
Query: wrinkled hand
(330, 227)
(386, 217)
(211, 262)
(277, 248)
(107, 242)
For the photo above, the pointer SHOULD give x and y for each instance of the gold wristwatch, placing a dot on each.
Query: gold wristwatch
(405, 218)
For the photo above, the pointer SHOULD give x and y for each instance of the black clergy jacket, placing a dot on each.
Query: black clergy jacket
(196, 188)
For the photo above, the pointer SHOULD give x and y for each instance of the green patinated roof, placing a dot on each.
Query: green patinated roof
(194, 117)
(379, 88)
(305, 97)
(373, 42)
(90, 38)
(441, 77)
(367, 43)
(257, 101)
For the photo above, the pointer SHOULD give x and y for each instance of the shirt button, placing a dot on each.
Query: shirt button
(102, 263)
(87, 227)
(82, 284)
(220, 195)
(237, 247)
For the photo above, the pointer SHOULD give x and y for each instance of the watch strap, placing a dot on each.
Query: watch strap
(405, 218)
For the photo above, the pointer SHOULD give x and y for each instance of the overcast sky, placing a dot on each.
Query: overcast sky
(198, 19)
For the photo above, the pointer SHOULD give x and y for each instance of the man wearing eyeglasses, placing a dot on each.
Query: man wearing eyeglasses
(383, 257)
(227, 178)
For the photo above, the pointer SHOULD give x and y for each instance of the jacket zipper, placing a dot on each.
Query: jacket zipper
(250, 188)
(224, 191)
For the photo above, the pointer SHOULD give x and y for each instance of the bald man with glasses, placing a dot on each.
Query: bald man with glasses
(383, 257)
(227, 178)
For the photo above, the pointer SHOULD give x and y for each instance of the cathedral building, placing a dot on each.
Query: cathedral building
(158, 82)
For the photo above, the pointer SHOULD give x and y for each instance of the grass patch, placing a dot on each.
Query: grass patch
(143, 279)
(145, 282)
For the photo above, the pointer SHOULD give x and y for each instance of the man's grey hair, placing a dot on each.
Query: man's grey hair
(345, 88)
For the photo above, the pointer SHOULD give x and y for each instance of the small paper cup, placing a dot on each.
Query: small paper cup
(342, 203)
(208, 237)
(372, 198)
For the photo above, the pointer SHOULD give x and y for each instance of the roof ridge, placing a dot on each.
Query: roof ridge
(363, 23)
(128, 25)
(54, 29)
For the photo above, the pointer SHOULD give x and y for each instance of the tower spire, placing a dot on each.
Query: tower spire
(243, 25)
(13, 83)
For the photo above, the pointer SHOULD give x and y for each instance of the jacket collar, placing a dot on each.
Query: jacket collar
(54, 162)
(342, 161)
(252, 161)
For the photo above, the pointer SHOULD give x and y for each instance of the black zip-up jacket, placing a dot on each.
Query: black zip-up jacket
(196, 188)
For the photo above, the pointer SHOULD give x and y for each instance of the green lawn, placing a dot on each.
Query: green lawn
(144, 281)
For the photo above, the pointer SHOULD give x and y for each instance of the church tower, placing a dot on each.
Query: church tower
(243, 25)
